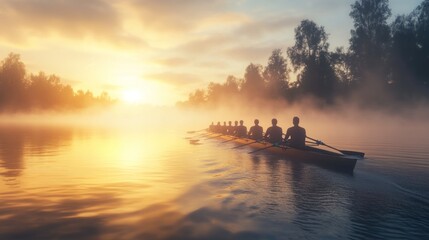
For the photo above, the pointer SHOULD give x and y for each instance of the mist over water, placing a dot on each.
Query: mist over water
(133, 173)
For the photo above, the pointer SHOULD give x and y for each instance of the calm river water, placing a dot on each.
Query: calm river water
(80, 183)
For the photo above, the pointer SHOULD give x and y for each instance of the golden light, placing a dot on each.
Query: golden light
(132, 96)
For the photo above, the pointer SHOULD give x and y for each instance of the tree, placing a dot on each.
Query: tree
(253, 83)
(410, 53)
(404, 56)
(310, 57)
(19, 92)
(370, 41)
(197, 98)
(422, 35)
(341, 63)
(218, 93)
(310, 42)
(41, 91)
(231, 86)
(276, 74)
(12, 82)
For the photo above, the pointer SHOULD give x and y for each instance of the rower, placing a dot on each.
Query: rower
(211, 127)
(224, 128)
(234, 128)
(297, 135)
(256, 131)
(274, 133)
(230, 129)
(241, 130)
(218, 128)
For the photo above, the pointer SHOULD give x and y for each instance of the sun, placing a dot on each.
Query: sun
(131, 96)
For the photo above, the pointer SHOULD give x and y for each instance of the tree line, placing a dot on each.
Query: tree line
(384, 63)
(22, 92)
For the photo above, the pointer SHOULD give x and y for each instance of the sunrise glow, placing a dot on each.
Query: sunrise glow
(93, 45)
(131, 96)
(224, 119)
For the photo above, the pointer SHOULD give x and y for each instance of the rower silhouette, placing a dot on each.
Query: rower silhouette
(224, 128)
(241, 130)
(255, 131)
(218, 128)
(274, 133)
(296, 134)
(234, 128)
(230, 128)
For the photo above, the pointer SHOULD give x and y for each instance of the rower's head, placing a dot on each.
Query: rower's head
(229, 123)
(224, 123)
(236, 123)
(274, 121)
(218, 123)
(295, 121)
(241, 122)
(256, 121)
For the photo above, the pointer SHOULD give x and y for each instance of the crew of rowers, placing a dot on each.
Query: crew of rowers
(294, 137)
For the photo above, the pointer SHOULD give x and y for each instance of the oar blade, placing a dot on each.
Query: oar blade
(190, 132)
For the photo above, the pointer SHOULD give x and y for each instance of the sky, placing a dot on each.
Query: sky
(157, 52)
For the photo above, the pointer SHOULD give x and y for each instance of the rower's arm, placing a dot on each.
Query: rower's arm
(267, 133)
(287, 135)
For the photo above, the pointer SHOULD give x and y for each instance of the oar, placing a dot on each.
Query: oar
(219, 134)
(345, 152)
(197, 131)
(242, 145)
(259, 140)
(209, 135)
(272, 145)
(199, 135)
(204, 134)
(232, 139)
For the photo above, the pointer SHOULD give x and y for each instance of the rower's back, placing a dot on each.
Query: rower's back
(297, 135)
(274, 133)
(241, 130)
(218, 128)
(256, 131)
(230, 129)
(224, 128)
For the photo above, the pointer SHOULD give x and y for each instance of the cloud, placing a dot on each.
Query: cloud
(178, 22)
(249, 39)
(209, 44)
(21, 20)
(224, 20)
(254, 54)
(213, 64)
(171, 61)
(270, 26)
(174, 16)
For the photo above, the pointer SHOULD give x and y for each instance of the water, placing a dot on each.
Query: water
(80, 183)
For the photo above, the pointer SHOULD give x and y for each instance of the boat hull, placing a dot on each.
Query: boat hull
(323, 158)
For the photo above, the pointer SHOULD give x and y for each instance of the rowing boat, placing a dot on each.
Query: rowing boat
(320, 157)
